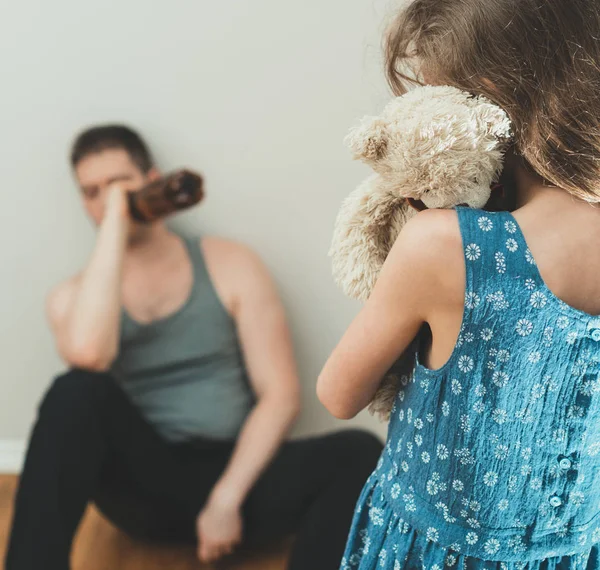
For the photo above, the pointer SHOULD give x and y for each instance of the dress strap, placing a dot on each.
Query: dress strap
(525, 264)
(495, 252)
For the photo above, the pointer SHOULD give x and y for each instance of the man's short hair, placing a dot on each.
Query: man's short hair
(107, 137)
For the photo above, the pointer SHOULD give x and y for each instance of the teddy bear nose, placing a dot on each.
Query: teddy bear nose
(417, 204)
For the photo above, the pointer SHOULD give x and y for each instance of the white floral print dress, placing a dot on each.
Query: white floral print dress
(493, 460)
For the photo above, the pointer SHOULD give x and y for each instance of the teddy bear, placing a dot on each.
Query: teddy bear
(433, 147)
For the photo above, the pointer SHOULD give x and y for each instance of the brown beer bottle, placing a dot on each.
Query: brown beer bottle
(169, 194)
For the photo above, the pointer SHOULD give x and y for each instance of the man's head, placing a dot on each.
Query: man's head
(106, 155)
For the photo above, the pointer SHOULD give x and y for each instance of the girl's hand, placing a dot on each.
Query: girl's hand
(219, 530)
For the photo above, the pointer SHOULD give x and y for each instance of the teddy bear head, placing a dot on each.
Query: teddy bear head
(436, 144)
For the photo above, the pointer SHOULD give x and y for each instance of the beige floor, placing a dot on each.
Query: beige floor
(100, 546)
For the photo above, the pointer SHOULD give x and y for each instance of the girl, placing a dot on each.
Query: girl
(493, 452)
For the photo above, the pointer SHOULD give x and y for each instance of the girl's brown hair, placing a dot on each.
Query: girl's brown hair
(538, 59)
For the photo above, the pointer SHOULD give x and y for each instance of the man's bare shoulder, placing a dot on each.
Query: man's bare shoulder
(237, 271)
(229, 254)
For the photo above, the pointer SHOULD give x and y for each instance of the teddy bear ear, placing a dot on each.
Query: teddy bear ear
(497, 120)
(369, 140)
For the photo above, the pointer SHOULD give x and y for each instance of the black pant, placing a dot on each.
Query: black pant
(91, 444)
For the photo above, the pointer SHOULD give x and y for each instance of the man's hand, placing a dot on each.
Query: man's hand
(117, 203)
(251, 297)
(219, 529)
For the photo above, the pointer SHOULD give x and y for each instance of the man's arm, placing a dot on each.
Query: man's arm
(84, 311)
(418, 281)
(267, 348)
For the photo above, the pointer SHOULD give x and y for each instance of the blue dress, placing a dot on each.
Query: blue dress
(492, 460)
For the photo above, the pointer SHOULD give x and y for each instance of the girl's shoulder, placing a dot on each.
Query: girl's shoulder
(433, 224)
(433, 235)
(449, 245)
(484, 228)
(440, 231)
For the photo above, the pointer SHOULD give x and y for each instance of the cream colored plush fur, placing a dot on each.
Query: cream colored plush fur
(435, 144)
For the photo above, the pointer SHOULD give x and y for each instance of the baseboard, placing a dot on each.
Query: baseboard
(12, 455)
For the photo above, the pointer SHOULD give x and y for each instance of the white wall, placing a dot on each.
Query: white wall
(258, 95)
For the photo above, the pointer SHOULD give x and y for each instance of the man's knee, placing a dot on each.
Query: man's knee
(76, 390)
(360, 447)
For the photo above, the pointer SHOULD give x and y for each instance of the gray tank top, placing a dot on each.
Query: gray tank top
(185, 372)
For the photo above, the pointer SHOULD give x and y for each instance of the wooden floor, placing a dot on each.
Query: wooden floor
(100, 546)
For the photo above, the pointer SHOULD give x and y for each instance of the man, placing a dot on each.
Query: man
(182, 388)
